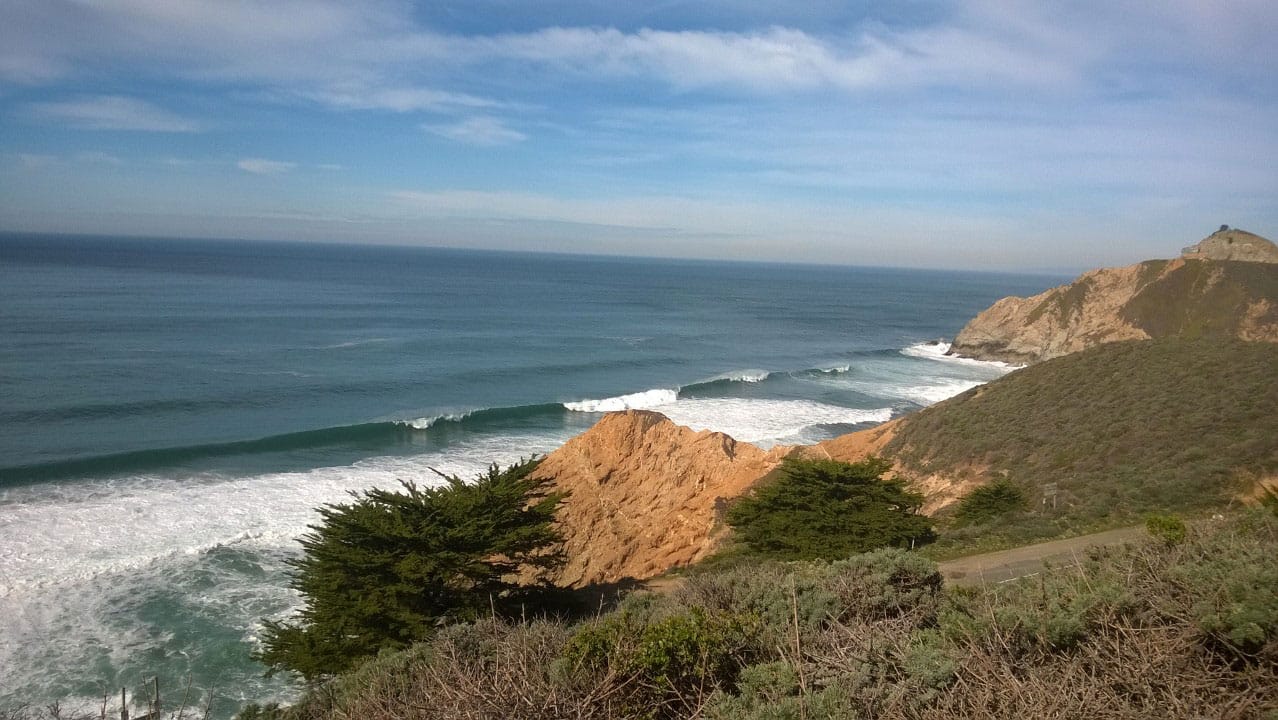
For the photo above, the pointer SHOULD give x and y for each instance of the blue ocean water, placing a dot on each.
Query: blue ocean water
(171, 411)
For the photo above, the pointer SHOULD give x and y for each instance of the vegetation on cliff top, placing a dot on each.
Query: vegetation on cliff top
(1184, 628)
(1108, 435)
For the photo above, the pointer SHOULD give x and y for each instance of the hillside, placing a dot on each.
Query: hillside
(1118, 431)
(1226, 286)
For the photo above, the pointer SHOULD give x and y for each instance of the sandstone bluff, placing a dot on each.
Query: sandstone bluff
(1226, 286)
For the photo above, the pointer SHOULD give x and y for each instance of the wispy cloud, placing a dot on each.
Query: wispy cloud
(482, 130)
(781, 59)
(354, 96)
(113, 112)
(262, 166)
(375, 55)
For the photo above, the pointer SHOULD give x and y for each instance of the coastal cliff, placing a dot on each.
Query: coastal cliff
(1225, 286)
(645, 494)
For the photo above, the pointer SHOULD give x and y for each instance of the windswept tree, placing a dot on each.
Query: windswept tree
(826, 509)
(389, 568)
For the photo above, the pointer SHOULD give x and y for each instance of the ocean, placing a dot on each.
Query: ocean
(172, 411)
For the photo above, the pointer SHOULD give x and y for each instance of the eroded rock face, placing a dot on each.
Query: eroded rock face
(1062, 320)
(646, 495)
(1239, 245)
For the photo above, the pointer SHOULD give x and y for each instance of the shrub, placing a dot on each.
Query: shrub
(828, 509)
(990, 502)
(669, 665)
(389, 568)
(1168, 528)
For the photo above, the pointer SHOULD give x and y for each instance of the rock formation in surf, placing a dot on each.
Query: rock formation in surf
(1225, 286)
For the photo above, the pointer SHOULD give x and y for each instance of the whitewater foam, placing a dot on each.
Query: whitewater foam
(766, 422)
(938, 351)
(646, 400)
(744, 376)
(425, 423)
(119, 571)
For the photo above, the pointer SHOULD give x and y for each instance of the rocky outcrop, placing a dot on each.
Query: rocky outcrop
(646, 495)
(1239, 245)
(1060, 321)
(1194, 295)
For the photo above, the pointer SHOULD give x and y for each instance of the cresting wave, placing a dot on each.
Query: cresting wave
(707, 404)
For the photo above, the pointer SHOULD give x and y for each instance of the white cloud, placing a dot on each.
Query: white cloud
(262, 166)
(482, 130)
(398, 99)
(374, 55)
(113, 112)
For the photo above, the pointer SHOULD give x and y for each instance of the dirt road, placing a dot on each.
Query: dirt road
(997, 567)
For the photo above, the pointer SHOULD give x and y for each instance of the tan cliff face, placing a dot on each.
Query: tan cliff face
(1210, 291)
(1057, 322)
(645, 495)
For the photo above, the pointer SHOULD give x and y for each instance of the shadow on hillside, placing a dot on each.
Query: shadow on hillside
(578, 603)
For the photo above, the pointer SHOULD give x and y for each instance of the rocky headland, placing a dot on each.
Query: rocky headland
(1225, 286)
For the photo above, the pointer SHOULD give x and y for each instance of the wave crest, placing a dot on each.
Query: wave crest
(634, 401)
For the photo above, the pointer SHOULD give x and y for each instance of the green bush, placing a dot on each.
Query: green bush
(1168, 528)
(886, 583)
(828, 509)
(989, 502)
(389, 568)
(670, 663)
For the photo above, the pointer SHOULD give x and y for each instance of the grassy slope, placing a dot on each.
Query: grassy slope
(1202, 299)
(1121, 430)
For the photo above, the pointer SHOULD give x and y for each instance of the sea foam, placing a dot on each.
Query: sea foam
(645, 400)
(139, 575)
(938, 351)
(767, 422)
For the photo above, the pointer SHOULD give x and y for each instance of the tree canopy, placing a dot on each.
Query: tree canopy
(828, 509)
(387, 569)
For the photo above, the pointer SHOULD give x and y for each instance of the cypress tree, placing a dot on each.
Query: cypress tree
(825, 509)
(388, 568)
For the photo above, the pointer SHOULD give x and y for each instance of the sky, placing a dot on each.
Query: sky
(984, 135)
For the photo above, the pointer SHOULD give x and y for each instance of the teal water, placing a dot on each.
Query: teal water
(171, 411)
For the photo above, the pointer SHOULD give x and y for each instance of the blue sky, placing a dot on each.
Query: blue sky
(995, 135)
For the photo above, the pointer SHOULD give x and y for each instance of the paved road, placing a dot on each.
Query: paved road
(1005, 565)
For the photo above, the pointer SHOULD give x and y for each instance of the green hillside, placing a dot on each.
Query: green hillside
(1202, 298)
(1121, 430)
